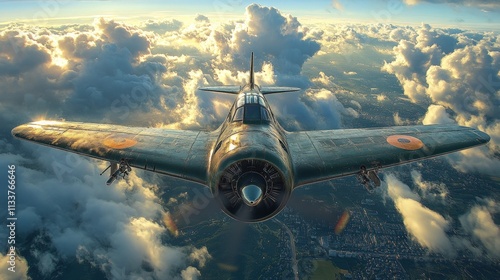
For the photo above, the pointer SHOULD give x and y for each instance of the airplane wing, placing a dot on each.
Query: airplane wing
(326, 154)
(270, 90)
(178, 153)
(223, 89)
(237, 89)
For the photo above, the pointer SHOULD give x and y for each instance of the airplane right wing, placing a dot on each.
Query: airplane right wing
(326, 154)
(270, 90)
(179, 153)
(223, 89)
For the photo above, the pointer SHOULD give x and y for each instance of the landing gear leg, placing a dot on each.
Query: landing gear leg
(121, 169)
(369, 179)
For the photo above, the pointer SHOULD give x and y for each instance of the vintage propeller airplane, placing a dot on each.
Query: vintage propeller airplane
(250, 163)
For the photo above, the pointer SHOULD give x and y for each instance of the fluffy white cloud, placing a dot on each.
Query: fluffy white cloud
(20, 271)
(190, 273)
(20, 54)
(416, 55)
(381, 97)
(479, 223)
(264, 77)
(200, 255)
(430, 229)
(397, 189)
(475, 161)
(200, 17)
(324, 80)
(164, 26)
(316, 108)
(426, 226)
(400, 121)
(456, 71)
(124, 36)
(46, 264)
(436, 114)
(272, 36)
(429, 190)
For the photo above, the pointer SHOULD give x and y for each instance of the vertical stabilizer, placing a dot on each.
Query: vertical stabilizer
(252, 81)
(251, 85)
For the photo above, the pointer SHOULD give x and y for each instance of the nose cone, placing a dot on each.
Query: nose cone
(252, 195)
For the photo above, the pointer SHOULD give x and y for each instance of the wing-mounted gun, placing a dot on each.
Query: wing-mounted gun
(369, 178)
(121, 169)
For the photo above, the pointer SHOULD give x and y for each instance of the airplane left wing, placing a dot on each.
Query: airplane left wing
(327, 154)
(178, 153)
(223, 89)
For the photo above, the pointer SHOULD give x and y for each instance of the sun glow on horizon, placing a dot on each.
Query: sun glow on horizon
(43, 13)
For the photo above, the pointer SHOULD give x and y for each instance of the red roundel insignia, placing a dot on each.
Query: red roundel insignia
(405, 142)
(118, 142)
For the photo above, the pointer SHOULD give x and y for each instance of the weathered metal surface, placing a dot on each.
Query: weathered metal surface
(326, 154)
(251, 152)
(181, 154)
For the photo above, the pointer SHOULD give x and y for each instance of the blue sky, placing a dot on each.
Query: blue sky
(469, 15)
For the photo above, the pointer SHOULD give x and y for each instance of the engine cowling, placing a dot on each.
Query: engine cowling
(252, 190)
(251, 172)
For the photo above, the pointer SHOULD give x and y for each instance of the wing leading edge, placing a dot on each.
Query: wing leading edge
(178, 153)
(327, 154)
(238, 89)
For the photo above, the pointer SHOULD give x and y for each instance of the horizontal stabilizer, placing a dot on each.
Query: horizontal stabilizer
(269, 90)
(223, 89)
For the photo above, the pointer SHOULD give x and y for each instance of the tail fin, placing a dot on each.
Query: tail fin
(252, 80)
(251, 84)
(233, 89)
(267, 90)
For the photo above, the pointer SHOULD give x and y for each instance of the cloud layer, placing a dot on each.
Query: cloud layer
(487, 4)
(479, 223)
(432, 230)
(458, 72)
(427, 227)
(72, 214)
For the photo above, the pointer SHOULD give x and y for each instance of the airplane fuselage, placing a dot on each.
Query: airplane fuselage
(250, 167)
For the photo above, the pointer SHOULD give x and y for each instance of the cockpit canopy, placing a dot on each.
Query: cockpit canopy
(251, 107)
